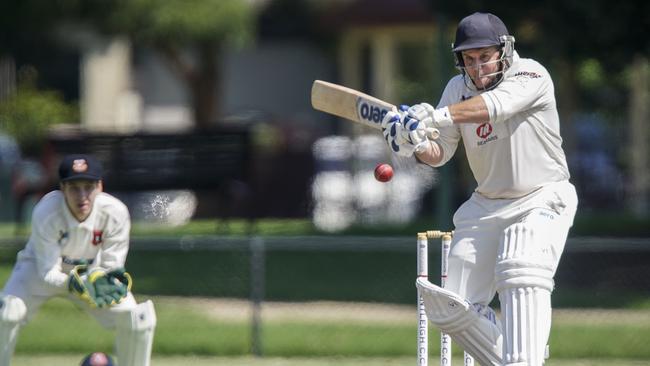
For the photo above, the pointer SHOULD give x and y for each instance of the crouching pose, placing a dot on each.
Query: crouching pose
(510, 234)
(77, 249)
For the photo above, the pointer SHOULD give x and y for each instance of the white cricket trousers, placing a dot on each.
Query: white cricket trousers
(479, 232)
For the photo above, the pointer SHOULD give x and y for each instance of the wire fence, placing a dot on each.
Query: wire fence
(272, 282)
(594, 272)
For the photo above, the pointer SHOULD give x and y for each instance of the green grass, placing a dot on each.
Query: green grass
(304, 339)
(594, 341)
(60, 328)
(68, 360)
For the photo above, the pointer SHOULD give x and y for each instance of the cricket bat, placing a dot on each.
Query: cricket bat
(353, 105)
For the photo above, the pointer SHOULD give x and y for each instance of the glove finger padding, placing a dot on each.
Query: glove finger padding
(431, 117)
(104, 291)
(403, 134)
(99, 288)
(390, 117)
(390, 129)
(122, 276)
(112, 287)
(421, 111)
(79, 285)
(415, 133)
(122, 280)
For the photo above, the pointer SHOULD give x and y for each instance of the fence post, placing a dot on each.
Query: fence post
(257, 274)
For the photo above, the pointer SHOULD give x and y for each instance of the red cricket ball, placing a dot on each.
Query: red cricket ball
(383, 172)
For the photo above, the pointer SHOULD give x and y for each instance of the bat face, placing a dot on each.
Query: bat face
(353, 105)
(349, 103)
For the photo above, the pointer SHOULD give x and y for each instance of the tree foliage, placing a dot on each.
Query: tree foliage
(190, 35)
(573, 29)
(574, 37)
(28, 113)
(182, 22)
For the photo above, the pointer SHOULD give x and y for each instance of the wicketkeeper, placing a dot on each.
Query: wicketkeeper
(510, 234)
(77, 249)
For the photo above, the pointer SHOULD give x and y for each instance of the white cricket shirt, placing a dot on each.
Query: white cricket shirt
(519, 149)
(58, 241)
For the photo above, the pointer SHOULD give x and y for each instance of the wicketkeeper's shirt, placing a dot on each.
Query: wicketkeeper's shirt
(519, 149)
(58, 241)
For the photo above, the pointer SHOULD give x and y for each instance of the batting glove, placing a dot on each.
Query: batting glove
(414, 135)
(431, 117)
(391, 127)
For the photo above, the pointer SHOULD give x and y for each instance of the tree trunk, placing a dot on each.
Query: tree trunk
(202, 78)
(203, 86)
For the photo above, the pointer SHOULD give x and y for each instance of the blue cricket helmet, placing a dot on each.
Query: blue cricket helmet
(479, 30)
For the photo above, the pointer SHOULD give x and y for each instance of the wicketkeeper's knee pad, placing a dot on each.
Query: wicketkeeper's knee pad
(477, 332)
(12, 313)
(524, 274)
(134, 335)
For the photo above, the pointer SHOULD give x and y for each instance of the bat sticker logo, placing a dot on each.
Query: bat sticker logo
(368, 111)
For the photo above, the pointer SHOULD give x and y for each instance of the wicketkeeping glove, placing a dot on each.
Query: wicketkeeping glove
(120, 283)
(99, 288)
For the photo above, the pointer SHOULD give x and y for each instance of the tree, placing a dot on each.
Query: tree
(191, 35)
(28, 113)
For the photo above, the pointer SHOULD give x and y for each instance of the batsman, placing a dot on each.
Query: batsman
(77, 250)
(510, 234)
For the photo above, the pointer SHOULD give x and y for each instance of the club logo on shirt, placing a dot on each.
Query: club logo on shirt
(97, 237)
(484, 130)
(485, 134)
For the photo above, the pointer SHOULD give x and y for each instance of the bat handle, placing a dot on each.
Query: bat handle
(432, 133)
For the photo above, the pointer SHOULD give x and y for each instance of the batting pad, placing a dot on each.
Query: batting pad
(524, 274)
(456, 317)
(12, 313)
(134, 338)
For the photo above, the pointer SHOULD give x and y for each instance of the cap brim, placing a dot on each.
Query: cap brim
(81, 177)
